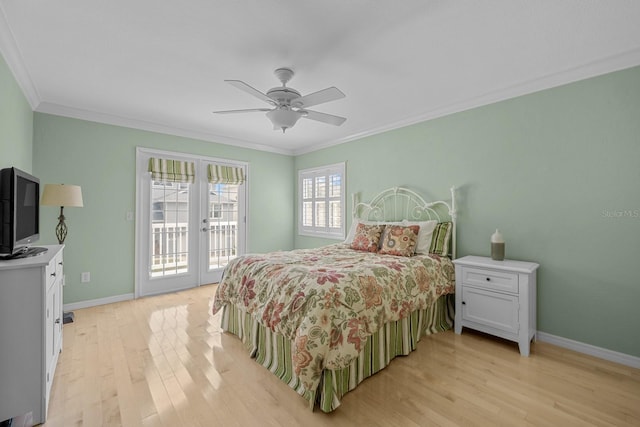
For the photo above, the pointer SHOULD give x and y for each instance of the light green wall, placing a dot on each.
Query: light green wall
(101, 159)
(16, 123)
(549, 169)
(546, 169)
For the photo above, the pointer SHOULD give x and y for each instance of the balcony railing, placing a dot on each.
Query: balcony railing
(170, 246)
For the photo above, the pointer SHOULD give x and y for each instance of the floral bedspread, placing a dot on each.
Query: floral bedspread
(330, 299)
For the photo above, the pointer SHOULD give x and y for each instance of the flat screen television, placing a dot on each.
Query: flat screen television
(19, 213)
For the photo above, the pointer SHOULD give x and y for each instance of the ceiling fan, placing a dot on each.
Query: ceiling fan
(288, 104)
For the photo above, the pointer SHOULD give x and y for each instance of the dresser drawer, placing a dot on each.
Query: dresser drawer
(53, 270)
(490, 279)
(59, 266)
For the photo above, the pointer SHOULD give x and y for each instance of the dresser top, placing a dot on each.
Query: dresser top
(506, 265)
(32, 261)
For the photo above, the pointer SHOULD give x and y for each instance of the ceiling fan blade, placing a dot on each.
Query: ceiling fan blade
(250, 110)
(324, 117)
(319, 97)
(250, 90)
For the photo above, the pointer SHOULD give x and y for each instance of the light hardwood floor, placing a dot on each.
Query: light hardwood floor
(163, 361)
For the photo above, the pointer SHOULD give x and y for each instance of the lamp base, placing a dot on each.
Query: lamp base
(61, 228)
(68, 317)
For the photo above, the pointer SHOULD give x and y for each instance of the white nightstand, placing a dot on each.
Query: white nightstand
(497, 297)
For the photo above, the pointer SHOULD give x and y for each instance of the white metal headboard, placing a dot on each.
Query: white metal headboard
(398, 203)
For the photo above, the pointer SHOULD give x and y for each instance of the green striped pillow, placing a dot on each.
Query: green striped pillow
(440, 239)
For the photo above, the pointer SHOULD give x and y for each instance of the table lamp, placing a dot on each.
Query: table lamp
(62, 195)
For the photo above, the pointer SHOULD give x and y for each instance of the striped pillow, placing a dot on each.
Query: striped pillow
(440, 239)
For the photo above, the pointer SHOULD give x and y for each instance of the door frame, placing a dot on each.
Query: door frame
(141, 233)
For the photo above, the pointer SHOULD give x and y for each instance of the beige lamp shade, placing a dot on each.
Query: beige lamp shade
(62, 195)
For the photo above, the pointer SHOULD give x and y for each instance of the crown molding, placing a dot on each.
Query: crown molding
(111, 119)
(603, 66)
(13, 58)
(15, 62)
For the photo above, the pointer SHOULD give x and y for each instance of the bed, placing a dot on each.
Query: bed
(323, 320)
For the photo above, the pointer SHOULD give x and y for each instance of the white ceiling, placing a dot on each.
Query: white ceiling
(160, 65)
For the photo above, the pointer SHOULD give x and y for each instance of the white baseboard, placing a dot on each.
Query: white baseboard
(94, 302)
(591, 350)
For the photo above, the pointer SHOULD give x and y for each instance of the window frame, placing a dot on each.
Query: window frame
(322, 231)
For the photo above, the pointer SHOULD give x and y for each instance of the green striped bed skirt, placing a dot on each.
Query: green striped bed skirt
(273, 351)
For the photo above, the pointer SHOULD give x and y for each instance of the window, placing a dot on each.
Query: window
(321, 208)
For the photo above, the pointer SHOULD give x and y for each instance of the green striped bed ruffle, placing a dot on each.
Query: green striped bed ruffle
(273, 351)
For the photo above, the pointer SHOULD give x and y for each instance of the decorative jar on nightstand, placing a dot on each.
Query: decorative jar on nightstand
(497, 297)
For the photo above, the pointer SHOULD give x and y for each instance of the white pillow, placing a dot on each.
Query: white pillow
(424, 235)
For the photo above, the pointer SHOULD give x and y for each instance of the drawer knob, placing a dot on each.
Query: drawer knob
(53, 274)
(488, 279)
(464, 303)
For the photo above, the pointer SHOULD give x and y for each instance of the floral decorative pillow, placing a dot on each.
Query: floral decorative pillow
(367, 237)
(400, 240)
(354, 226)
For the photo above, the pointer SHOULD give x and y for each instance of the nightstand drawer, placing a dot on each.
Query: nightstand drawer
(490, 279)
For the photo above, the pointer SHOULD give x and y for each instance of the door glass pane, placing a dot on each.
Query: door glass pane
(169, 228)
(223, 224)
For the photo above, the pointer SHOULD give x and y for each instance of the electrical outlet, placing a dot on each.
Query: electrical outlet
(85, 277)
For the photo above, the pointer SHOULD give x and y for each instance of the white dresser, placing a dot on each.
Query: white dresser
(30, 332)
(497, 297)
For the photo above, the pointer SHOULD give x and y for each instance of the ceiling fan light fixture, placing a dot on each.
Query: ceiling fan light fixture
(283, 118)
(289, 104)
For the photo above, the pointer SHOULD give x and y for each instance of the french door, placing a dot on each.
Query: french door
(186, 232)
(220, 230)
